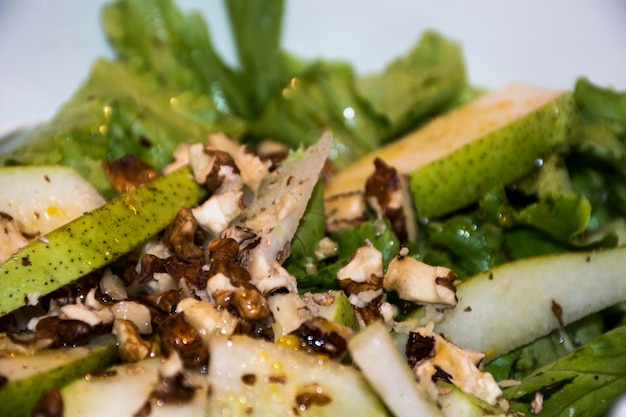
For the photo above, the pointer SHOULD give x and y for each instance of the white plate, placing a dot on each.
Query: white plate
(46, 47)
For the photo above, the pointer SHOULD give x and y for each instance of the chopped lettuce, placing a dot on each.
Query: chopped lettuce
(378, 232)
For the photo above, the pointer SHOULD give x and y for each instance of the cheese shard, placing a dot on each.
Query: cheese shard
(456, 158)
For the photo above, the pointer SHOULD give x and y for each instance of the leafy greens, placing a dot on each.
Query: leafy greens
(167, 85)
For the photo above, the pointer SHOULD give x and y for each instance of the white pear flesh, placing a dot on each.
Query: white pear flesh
(44, 198)
(126, 390)
(515, 303)
(387, 371)
(457, 157)
(252, 377)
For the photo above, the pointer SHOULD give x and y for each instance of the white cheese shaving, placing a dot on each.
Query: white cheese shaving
(112, 285)
(216, 213)
(366, 262)
(206, 318)
(461, 365)
(136, 313)
(418, 282)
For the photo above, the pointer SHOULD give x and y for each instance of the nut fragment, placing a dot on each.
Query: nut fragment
(131, 347)
(179, 337)
(180, 236)
(322, 336)
(129, 172)
(387, 193)
(63, 332)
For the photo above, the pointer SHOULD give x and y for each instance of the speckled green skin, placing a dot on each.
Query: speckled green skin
(18, 397)
(95, 239)
(500, 157)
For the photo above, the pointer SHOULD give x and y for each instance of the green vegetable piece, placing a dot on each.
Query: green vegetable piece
(515, 303)
(340, 310)
(457, 158)
(29, 376)
(585, 382)
(95, 239)
(418, 84)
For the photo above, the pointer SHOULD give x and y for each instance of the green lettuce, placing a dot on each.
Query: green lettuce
(584, 382)
(417, 85)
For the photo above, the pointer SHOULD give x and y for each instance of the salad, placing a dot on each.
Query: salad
(288, 237)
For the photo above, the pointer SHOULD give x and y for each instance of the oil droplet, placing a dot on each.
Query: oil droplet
(107, 110)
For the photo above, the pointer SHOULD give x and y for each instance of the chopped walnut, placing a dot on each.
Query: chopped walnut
(323, 336)
(63, 332)
(131, 347)
(252, 168)
(213, 168)
(180, 236)
(129, 172)
(178, 338)
(135, 312)
(49, 404)
(387, 193)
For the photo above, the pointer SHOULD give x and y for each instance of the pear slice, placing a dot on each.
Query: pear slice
(124, 390)
(458, 157)
(95, 238)
(340, 310)
(43, 198)
(515, 303)
(249, 377)
(29, 375)
(387, 371)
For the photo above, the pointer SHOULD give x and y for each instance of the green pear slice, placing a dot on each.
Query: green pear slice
(339, 311)
(458, 157)
(125, 389)
(515, 303)
(249, 377)
(376, 354)
(95, 239)
(29, 375)
(43, 198)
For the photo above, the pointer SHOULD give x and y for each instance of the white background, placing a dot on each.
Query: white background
(46, 47)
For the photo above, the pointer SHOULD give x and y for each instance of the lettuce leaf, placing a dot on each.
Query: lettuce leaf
(417, 85)
(583, 383)
(378, 231)
(117, 111)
